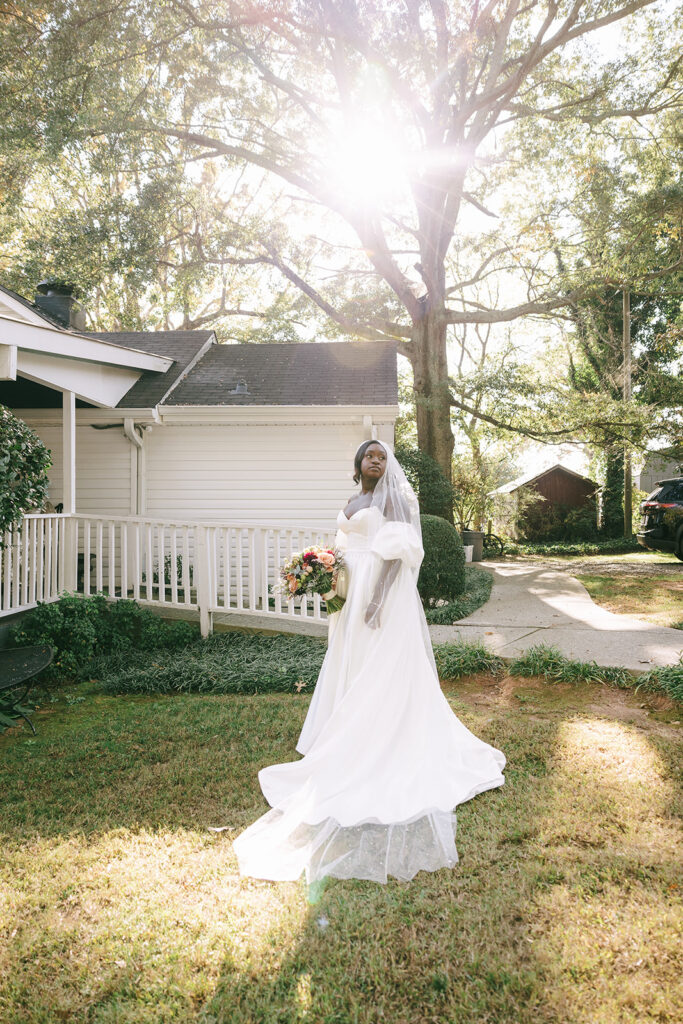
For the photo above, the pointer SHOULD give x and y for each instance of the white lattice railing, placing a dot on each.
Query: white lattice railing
(225, 568)
(32, 557)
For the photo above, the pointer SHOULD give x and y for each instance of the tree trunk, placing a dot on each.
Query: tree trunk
(433, 407)
(613, 495)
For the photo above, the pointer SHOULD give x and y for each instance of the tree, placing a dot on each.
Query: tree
(311, 93)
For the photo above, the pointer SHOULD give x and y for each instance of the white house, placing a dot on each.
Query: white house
(167, 430)
(658, 465)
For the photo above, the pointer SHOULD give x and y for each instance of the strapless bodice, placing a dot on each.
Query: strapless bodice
(359, 528)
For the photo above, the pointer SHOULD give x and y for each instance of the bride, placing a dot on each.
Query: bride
(385, 758)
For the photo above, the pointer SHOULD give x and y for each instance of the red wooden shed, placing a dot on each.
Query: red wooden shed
(557, 484)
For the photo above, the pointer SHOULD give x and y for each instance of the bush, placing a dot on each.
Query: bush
(442, 574)
(24, 462)
(425, 475)
(82, 628)
(477, 591)
(546, 522)
(620, 545)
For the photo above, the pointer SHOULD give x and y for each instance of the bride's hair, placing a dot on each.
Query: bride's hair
(359, 457)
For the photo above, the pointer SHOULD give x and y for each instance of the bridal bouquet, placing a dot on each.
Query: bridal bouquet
(315, 570)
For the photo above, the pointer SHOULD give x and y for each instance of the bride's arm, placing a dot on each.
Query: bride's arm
(388, 574)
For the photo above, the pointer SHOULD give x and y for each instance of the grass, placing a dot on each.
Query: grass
(656, 599)
(117, 904)
(232, 662)
(477, 591)
(638, 557)
(252, 664)
(549, 663)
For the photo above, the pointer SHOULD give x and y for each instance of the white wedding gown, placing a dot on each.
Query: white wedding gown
(385, 758)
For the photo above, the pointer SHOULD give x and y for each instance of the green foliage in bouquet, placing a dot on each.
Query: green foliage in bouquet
(442, 574)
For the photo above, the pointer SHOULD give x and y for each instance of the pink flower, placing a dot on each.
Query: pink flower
(326, 558)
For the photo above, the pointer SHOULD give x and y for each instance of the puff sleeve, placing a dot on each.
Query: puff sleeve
(398, 540)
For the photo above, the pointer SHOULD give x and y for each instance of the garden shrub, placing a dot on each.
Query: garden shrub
(24, 462)
(435, 494)
(442, 574)
(477, 591)
(545, 522)
(82, 628)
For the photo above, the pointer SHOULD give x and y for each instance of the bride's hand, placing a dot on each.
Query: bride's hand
(372, 615)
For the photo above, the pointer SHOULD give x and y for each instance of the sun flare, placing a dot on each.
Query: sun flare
(369, 163)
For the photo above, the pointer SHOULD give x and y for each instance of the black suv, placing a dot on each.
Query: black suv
(661, 525)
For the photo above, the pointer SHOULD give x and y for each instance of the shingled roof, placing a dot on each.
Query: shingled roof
(325, 373)
(181, 346)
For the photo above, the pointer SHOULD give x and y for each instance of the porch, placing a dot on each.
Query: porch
(212, 572)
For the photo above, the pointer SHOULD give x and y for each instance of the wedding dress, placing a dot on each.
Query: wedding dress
(385, 758)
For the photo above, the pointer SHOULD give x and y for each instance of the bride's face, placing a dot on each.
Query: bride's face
(374, 463)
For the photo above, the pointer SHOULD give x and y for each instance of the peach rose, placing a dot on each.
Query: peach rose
(326, 558)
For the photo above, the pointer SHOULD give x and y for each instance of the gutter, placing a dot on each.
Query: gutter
(137, 440)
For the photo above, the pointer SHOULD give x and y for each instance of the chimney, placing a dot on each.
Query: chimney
(57, 300)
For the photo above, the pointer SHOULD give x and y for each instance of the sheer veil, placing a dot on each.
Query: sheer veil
(394, 497)
(399, 533)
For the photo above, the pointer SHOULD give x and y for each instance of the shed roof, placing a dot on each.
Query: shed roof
(531, 478)
(320, 373)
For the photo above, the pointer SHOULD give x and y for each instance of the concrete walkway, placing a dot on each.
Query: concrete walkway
(532, 605)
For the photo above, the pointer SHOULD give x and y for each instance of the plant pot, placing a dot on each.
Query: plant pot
(475, 538)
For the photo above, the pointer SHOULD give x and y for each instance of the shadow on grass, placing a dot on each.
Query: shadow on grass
(122, 907)
(449, 945)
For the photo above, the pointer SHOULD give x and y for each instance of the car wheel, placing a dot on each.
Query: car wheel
(678, 550)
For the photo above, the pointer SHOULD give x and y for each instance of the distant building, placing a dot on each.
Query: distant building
(658, 466)
(558, 485)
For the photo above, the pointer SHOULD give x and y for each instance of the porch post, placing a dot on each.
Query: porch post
(69, 490)
(203, 580)
(69, 451)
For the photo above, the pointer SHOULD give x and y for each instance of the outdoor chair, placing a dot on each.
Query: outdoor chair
(17, 666)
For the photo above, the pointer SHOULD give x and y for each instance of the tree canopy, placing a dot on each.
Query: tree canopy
(384, 162)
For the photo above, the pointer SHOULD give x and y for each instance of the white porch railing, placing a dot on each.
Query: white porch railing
(227, 568)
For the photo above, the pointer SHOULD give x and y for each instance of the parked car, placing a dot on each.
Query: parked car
(661, 524)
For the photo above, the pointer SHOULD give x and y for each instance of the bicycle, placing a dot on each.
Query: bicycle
(493, 546)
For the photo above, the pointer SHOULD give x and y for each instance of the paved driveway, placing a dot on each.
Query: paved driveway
(531, 605)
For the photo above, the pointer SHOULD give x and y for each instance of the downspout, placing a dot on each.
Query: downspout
(136, 439)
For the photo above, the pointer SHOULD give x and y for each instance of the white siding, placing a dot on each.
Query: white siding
(291, 475)
(656, 468)
(103, 468)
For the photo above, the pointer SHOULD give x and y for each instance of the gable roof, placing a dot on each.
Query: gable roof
(531, 478)
(181, 346)
(316, 373)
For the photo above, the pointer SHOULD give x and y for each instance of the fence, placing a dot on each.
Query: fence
(227, 568)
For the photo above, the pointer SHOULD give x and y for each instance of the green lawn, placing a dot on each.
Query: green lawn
(118, 905)
(639, 557)
(656, 599)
